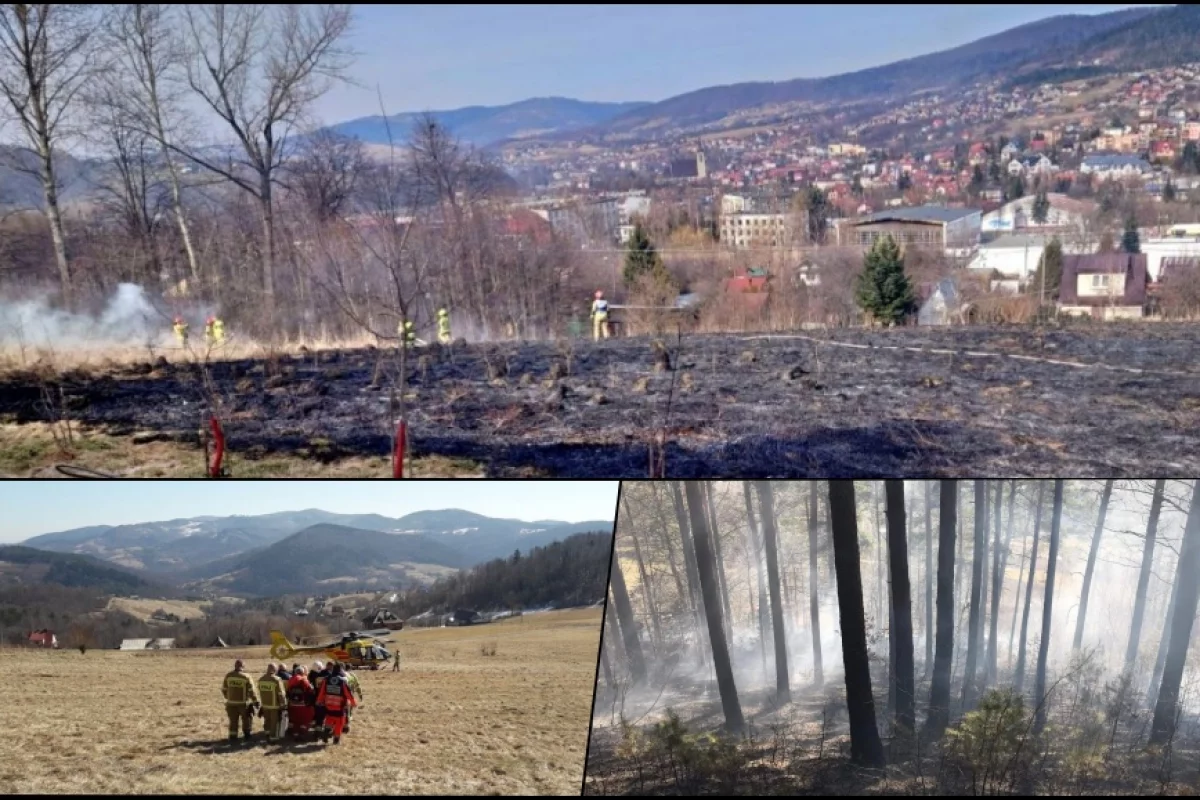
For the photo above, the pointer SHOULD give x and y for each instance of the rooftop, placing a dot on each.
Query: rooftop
(920, 214)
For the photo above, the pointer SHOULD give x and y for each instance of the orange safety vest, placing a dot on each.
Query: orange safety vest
(298, 690)
(335, 695)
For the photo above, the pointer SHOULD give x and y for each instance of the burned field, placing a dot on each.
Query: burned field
(1086, 401)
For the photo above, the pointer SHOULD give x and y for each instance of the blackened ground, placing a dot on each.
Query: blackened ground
(847, 404)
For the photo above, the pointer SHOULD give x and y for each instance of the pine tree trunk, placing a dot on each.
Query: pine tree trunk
(929, 630)
(723, 579)
(612, 637)
(1091, 566)
(939, 693)
(665, 538)
(876, 491)
(814, 599)
(1162, 729)
(1019, 679)
(866, 748)
(689, 560)
(997, 579)
(1039, 684)
(706, 567)
(1163, 642)
(647, 587)
(1139, 603)
(969, 691)
(766, 502)
(981, 664)
(755, 551)
(625, 618)
(905, 680)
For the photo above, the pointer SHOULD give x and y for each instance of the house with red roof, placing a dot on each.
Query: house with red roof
(43, 638)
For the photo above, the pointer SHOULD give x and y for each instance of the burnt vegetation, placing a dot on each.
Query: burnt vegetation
(901, 638)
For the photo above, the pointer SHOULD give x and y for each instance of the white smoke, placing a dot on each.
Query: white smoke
(128, 319)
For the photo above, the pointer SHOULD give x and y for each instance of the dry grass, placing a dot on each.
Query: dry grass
(143, 609)
(30, 451)
(452, 721)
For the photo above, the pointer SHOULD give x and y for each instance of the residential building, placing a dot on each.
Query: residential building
(933, 227)
(1104, 285)
(691, 166)
(1031, 165)
(1160, 249)
(943, 305)
(748, 229)
(43, 638)
(1111, 165)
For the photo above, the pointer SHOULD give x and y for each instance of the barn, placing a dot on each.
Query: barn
(43, 638)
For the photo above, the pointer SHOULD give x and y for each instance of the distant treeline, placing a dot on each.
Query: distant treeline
(573, 572)
(1058, 75)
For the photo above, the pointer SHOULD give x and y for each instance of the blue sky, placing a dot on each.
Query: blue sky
(30, 508)
(424, 57)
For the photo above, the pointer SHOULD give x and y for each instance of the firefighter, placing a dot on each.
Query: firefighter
(356, 688)
(218, 327)
(273, 695)
(208, 330)
(241, 698)
(443, 326)
(300, 703)
(181, 331)
(599, 316)
(336, 698)
(407, 332)
(396, 662)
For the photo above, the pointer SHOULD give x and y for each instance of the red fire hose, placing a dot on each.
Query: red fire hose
(398, 449)
(214, 470)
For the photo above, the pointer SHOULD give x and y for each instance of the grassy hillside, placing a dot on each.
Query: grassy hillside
(19, 564)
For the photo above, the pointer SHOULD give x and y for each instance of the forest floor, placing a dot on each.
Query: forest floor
(496, 709)
(803, 748)
(1111, 400)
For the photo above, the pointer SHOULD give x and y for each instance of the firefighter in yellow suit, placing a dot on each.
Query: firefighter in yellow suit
(241, 697)
(181, 331)
(273, 693)
(599, 316)
(355, 687)
(443, 326)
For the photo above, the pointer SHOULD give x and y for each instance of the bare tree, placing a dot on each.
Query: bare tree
(626, 621)
(814, 594)
(326, 172)
(260, 68)
(1039, 685)
(975, 624)
(901, 604)
(1019, 678)
(1091, 565)
(48, 54)
(146, 90)
(766, 501)
(1139, 603)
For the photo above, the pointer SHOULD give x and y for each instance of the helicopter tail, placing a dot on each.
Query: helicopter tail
(281, 648)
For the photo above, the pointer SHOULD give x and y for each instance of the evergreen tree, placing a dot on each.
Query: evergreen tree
(816, 204)
(978, 181)
(1015, 189)
(1130, 242)
(1049, 271)
(642, 259)
(883, 290)
(1041, 208)
(1168, 192)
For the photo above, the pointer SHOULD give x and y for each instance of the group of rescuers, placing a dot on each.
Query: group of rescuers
(214, 331)
(316, 701)
(214, 327)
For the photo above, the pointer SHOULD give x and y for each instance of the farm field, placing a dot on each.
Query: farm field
(1083, 400)
(456, 719)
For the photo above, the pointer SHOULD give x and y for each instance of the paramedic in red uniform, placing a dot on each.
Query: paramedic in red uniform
(300, 707)
(336, 697)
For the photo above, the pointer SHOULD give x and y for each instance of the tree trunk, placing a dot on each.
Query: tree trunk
(876, 491)
(612, 637)
(1163, 641)
(54, 217)
(1019, 679)
(665, 537)
(865, 746)
(1139, 603)
(997, 580)
(981, 663)
(647, 588)
(689, 556)
(905, 681)
(766, 502)
(939, 692)
(929, 632)
(814, 600)
(755, 551)
(1162, 729)
(266, 204)
(706, 567)
(1012, 629)
(1091, 566)
(628, 625)
(969, 692)
(1039, 684)
(723, 578)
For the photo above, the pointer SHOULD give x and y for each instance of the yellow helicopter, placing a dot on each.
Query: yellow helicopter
(356, 649)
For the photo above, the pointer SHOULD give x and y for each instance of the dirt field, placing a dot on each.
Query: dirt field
(453, 721)
(1091, 400)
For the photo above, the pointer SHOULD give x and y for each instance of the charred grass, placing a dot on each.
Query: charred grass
(1095, 400)
(452, 721)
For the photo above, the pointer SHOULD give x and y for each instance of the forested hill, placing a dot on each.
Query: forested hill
(572, 572)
